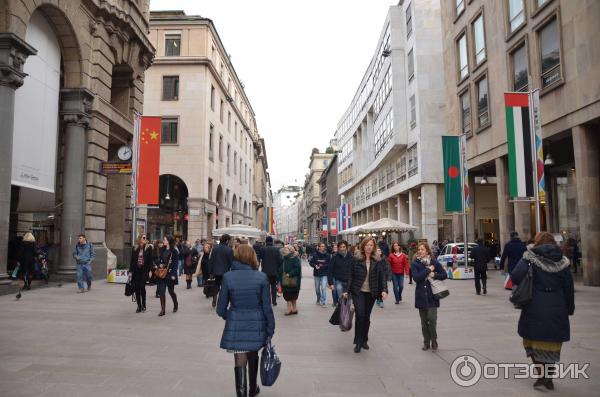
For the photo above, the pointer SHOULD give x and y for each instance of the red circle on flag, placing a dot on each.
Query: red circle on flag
(452, 172)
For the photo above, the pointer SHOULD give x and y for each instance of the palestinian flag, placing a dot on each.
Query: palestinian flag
(453, 198)
(520, 149)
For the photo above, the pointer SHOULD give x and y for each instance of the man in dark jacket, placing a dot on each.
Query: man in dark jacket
(513, 251)
(339, 270)
(271, 262)
(320, 263)
(220, 262)
(480, 256)
(385, 248)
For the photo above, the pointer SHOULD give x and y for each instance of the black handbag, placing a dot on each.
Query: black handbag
(210, 288)
(129, 290)
(335, 317)
(522, 294)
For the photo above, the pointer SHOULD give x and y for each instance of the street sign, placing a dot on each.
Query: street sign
(115, 167)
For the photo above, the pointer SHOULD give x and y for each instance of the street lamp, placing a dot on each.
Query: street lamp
(484, 180)
(549, 160)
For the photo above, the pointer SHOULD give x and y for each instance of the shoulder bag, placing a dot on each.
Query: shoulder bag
(162, 272)
(270, 365)
(287, 281)
(439, 289)
(522, 294)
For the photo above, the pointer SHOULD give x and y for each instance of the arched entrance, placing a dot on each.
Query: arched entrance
(171, 216)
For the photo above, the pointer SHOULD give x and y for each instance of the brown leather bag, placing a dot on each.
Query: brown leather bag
(162, 272)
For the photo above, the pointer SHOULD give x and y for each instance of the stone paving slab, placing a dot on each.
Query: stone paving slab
(54, 342)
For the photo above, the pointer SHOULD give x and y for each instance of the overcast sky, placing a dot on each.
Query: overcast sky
(301, 63)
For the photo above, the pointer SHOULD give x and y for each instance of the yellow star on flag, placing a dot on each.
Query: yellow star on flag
(154, 135)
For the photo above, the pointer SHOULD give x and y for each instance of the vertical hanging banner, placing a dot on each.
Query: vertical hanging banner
(333, 228)
(339, 220)
(539, 148)
(453, 184)
(465, 174)
(147, 175)
(348, 216)
(269, 221)
(520, 150)
(324, 227)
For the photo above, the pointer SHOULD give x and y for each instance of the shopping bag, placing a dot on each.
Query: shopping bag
(346, 314)
(508, 283)
(15, 273)
(270, 365)
(335, 317)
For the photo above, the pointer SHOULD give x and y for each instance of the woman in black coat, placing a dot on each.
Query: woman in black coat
(366, 284)
(168, 259)
(139, 268)
(26, 256)
(426, 268)
(245, 305)
(544, 322)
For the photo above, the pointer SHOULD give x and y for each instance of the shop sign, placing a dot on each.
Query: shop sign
(115, 167)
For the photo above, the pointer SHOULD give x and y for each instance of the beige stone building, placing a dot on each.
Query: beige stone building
(497, 46)
(72, 76)
(310, 215)
(210, 147)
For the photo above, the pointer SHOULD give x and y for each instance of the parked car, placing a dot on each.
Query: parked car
(454, 254)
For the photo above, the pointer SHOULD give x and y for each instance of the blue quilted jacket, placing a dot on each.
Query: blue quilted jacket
(245, 305)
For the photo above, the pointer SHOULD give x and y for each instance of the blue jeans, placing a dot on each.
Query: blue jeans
(398, 282)
(180, 267)
(321, 288)
(200, 281)
(340, 287)
(84, 272)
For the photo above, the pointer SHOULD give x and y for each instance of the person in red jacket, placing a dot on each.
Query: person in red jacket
(400, 267)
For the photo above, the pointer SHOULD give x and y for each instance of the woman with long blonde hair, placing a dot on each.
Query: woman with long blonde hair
(139, 270)
(26, 257)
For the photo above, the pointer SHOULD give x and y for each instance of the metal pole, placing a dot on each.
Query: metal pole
(464, 204)
(534, 159)
(134, 170)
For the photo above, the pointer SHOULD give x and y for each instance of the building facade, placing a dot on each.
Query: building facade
(284, 205)
(390, 159)
(310, 221)
(492, 47)
(330, 199)
(262, 197)
(210, 147)
(72, 78)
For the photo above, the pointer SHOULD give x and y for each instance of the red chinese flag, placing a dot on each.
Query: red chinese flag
(148, 161)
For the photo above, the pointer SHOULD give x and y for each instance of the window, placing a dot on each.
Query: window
(520, 68)
(482, 102)
(540, 3)
(210, 188)
(384, 133)
(413, 112)
(413, 161)
(211, 134)
(234, 163)
(240, 170)
(172, 45)
(465, 118)
(170, 88)
(228, 158)
(460, 7)
(479, 39)
(168, 131)
(245, 173)
(235, 127)
(550, 52)
(516, 14)
(222, 111)
(411, 65)
(408, 20)
(463, 59)
(221, 148)
(228, 121)
(212, 98)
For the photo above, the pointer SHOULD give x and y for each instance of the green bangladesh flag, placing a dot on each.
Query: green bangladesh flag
(452, 170)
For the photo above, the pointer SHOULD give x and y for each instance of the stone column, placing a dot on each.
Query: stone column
(392, 210)
(523, 220)
(414, 210)
(429, 212)
(403, 210)
(13, 53)
(76, 104)
(506, 215)
(587, 175)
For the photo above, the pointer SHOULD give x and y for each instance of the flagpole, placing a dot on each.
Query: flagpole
(134, 170)
(536, 189)
(462, 142)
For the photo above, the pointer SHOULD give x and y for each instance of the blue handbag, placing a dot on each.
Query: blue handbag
(270, 365)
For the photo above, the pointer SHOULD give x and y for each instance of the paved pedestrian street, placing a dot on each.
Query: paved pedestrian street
(55, 342)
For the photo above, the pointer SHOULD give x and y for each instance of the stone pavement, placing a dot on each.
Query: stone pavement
(54, 342)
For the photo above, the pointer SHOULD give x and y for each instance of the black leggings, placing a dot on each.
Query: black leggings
(164, 285)
(241, 359)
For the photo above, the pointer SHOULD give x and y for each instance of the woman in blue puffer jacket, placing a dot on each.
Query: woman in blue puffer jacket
(245, 305)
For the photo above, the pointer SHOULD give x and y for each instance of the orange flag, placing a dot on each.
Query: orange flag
(148, 161)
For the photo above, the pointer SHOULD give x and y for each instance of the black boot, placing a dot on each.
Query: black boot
(189, 284)
(241, 382)
(425, 345)
(253, 389)
(162, 305)
(434, 344)
(175, 304)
